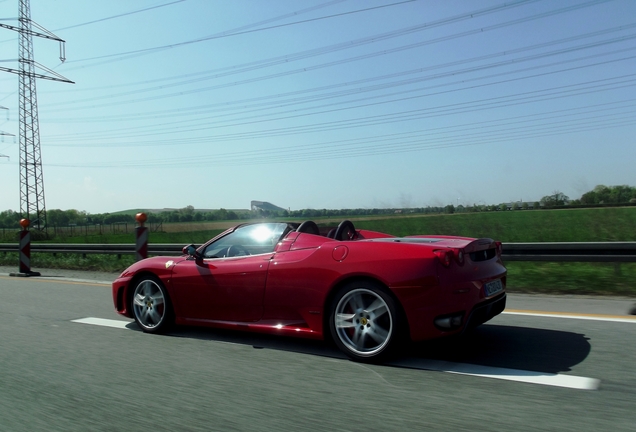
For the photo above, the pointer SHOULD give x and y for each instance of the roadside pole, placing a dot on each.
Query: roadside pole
(25, 251)
(141, 233)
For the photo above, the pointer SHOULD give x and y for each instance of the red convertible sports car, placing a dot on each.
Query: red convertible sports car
(366, 290)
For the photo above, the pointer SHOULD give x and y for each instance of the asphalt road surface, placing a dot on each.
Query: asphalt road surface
(68, 362)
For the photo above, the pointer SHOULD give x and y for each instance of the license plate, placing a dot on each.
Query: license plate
(493, 287)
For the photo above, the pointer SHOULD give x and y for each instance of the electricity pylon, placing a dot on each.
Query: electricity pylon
(32, 204)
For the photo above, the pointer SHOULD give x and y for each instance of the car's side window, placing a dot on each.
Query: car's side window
(247, 240)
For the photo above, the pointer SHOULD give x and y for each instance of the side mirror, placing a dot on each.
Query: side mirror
(189, 250)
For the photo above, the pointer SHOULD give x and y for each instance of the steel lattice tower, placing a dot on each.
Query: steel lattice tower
(32, 205)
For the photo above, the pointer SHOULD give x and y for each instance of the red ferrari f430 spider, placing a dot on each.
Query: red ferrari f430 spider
(367, 291)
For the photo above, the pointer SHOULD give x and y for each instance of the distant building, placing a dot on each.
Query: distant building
(264, 205)
(520, 204)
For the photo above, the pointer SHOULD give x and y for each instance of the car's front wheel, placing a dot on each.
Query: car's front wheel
(151, 305)
(365, 321)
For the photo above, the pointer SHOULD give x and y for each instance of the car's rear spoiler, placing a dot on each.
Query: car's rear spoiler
(469, 245)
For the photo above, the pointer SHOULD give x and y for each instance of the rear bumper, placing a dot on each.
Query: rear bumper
(485, 311)
(460, 312)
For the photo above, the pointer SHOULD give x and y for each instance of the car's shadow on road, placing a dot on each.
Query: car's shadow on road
(510, 347)
(525, 348)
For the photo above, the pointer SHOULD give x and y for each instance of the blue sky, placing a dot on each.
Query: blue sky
(325, 104)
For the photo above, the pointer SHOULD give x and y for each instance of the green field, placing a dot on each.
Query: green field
(580, 225)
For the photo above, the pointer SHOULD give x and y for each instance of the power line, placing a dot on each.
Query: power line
(211, 125)
(471, 126)
(345, 45)
(241, 30)
(279, 97)
(584, 125)
(376, 38)
(119, 15)
(279, 108)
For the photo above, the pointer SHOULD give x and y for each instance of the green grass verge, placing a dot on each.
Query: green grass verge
(103, 263)
(572, 278)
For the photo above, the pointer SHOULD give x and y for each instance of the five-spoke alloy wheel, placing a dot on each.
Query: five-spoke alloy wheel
(364, 321)
(151, 305)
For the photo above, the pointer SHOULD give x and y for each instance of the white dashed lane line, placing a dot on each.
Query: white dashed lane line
(104, 322)
(571, 315)
(516, 375)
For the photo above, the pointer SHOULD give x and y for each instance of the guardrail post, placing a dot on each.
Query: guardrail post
(25, 251)
(141, 245)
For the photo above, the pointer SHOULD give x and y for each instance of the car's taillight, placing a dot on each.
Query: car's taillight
(499, 247)
(445, 256)
(459, 256)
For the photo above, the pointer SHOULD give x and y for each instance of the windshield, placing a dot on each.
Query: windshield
(247, 240)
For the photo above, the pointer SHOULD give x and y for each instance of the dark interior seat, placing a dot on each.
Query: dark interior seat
(309, 227)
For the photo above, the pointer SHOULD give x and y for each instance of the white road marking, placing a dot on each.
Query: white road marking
(104, 322)
(550, 379)
(590, 317)
(531, 377)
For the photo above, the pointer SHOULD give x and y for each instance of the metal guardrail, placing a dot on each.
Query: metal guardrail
(571, 252)
(557, 252)
(107, 249)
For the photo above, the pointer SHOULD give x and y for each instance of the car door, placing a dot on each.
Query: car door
(226, 280)
(225, 289)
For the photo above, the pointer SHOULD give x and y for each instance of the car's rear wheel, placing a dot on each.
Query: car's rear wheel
(365, 321)
(151, 305)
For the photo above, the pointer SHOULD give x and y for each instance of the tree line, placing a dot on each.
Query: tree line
(600, 195)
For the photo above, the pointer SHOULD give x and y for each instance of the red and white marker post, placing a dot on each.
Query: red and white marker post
(141, 245)
(25, 251)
